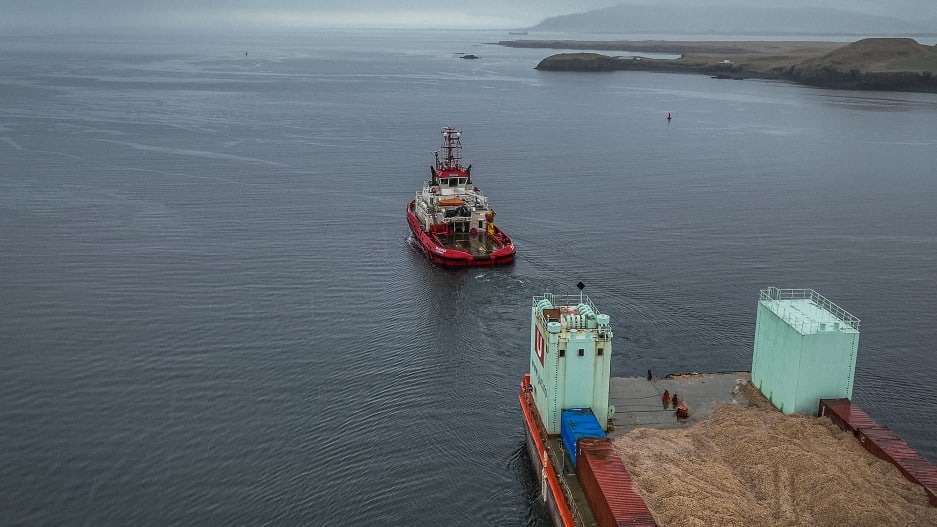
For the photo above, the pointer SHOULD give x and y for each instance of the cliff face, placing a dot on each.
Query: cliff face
(830, 77)
(578, 62)
(593, 62)
(872, 64)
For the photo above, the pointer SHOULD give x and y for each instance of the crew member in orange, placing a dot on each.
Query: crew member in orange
(665, 399)
(683, 412)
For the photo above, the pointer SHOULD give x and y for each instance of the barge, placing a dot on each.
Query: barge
(574, 411)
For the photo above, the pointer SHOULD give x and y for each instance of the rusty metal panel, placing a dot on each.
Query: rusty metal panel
(885, 444)
(846, 415)
(608, 486)
(878, 441)
(882, 443)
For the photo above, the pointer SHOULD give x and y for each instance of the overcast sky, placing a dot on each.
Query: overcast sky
(369, 13)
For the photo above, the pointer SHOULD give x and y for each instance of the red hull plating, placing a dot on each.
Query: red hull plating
(453, 258)
(608, 486)
(848, 417)
(609, 489)
(882, 443)
(536, 446)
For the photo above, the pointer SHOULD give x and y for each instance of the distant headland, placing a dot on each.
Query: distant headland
(891, 64)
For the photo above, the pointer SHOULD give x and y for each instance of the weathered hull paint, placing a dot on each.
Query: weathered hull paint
(454, 258)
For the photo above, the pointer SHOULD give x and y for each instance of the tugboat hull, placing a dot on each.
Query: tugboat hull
(437, 252)
(450, 218)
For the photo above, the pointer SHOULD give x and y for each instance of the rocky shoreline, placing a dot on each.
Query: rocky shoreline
(887, 64)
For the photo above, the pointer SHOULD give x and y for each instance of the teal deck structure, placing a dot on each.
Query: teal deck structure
(805, 349)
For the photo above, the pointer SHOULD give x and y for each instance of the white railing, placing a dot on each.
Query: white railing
(565, 300)
(773, 293)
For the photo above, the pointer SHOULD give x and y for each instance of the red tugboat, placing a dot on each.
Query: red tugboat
(450, 218)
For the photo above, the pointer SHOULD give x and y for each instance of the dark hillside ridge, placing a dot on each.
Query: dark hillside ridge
(873, 64)
(625, 18)
(889, 64)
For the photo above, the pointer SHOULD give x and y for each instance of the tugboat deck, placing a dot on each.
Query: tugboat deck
(478, 245)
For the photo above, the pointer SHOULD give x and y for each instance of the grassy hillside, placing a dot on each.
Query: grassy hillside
(870, 64)
(880, 55)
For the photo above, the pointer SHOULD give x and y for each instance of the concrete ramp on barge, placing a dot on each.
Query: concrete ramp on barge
(638, 403)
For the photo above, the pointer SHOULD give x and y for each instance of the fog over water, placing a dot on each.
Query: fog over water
(220, 14)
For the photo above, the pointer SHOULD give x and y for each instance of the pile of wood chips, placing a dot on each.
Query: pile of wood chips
(752, 466)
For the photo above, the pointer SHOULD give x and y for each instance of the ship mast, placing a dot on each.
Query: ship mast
(452, 146)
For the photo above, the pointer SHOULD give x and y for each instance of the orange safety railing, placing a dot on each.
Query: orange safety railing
(535, 432)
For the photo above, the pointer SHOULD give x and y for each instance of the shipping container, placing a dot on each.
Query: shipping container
(578, 423)
(879, 442)
(885, 444)
(846, 415)
(882, 443)
(608, 486)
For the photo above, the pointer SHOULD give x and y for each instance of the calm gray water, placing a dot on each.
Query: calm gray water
(210, 313)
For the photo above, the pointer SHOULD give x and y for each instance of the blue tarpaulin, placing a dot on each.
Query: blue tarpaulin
(575, 424)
